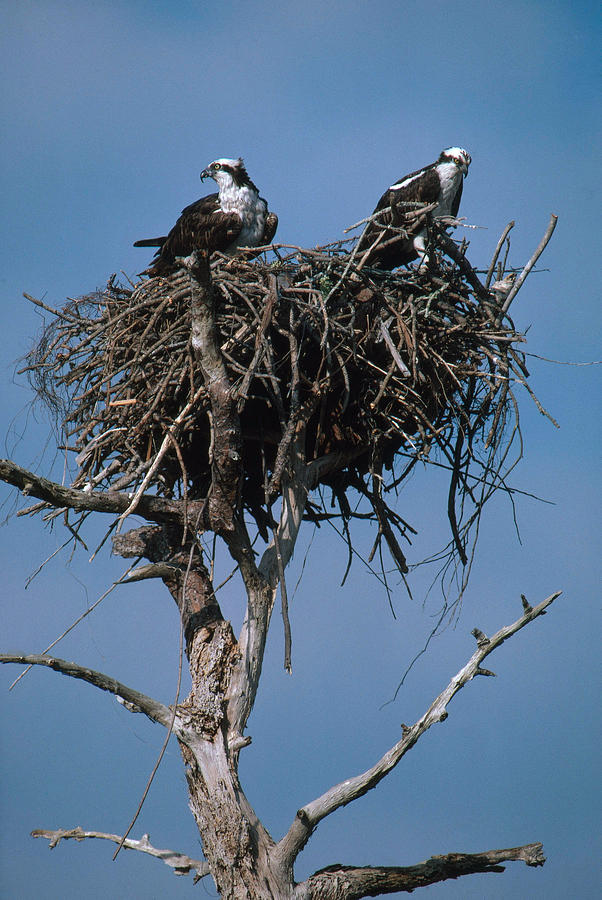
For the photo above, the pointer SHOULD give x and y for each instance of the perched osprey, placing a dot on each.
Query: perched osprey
(439, 183)
(234, 217)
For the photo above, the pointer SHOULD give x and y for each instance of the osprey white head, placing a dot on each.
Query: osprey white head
(457, 155)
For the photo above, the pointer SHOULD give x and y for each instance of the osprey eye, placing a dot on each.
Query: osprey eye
(216, 166)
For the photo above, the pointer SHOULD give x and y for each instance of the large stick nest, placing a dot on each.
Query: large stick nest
(384, 369)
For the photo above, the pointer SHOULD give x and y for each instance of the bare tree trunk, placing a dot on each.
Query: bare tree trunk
(235, 843)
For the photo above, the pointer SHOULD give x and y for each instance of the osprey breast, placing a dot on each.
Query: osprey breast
(246, 203)
(450, 178)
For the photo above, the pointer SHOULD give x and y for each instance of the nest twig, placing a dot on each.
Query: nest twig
(382, 368)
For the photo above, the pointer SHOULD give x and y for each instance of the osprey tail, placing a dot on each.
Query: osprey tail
(151, 242)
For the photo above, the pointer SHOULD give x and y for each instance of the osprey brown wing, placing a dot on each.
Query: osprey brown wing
(456, 201)
(271, 224)
(201, 226)
(391, 249)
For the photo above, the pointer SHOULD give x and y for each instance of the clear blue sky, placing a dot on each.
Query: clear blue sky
(111, 111)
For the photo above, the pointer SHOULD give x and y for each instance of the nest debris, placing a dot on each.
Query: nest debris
(385, 369)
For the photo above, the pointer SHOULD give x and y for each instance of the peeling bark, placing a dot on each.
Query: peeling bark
(351, 883)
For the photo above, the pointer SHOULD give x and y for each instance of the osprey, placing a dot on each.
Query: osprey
(441, 184)
(234, 217)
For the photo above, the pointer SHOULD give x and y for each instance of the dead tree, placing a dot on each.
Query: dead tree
(247, 396)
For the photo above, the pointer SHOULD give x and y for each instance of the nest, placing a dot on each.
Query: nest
(385, 369)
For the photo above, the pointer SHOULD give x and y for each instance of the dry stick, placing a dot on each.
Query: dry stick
(381, 511)
(47, 560)
(539, 406)
(155, 509)
(365, 256)
(400, 363)
(156, 711)
(312, 813)
(497, 251)
(449, 247)
(521, 278)
(179, 862)
(161, 453)
(259, 346)
(50, 309)
(163, 749)
(372, 218)
(284, 605)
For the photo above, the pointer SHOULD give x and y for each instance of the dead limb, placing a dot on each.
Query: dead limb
(309, 816)
(497, 252)
(352, 883)
(156, 711)
(261, 584)
(449, 246)
(155, 509)
(179, 862)
(521, 278)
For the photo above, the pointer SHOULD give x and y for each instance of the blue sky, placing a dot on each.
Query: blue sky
(111, 111)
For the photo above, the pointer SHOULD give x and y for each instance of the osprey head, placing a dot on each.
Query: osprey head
(457, 155)
(227, 172)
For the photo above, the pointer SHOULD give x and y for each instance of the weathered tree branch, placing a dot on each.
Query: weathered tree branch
(262, 584)
(312, 813)
(352, 883)
(155, 710)
(155, 509)
(521, 278)
(448, 246)
(497, 252)
(179, 862)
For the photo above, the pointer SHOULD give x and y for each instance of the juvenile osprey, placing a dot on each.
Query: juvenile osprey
(439, 183)
(234, 217)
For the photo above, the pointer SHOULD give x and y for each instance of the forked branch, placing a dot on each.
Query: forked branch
(521, 278)
(312, 813)
(155, 509)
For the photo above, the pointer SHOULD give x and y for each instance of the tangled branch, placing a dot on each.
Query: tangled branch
(375, 367)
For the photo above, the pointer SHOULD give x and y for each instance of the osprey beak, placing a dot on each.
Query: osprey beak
(206, 173)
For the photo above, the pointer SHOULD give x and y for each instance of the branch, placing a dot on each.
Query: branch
(521, 278)
(155, 711)
(497, 251)
(352, 883)
(448, 246)
(179, 862)
(156, 509)
(310, 815)
(152, 570)
(167, 442)
(262, 583)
